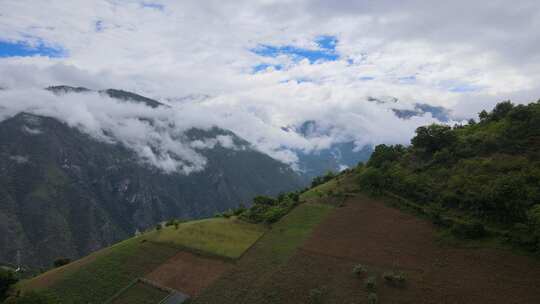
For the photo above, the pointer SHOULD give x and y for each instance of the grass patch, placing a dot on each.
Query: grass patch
(141, 293)
(246, 283)
(100, 279)
(217, 236)
(320, 190)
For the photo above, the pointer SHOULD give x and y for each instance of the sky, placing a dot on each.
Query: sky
(257, 67)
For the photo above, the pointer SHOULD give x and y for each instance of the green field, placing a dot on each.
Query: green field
(320, 190)
(242, 285)
(98, 281)
(99, 276)
(140, 293)
(217, 236)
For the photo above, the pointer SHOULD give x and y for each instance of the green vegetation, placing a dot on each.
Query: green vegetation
(371, 283)
(216, 236)
(61, 262)
(99, 279)
(265, 209)
(316, 296)
(32, 297)
(319, 180)
(320, 190)
(394, 278)
(484, 174)
(247, 284)
(359, 270)
(7, 279)
(372, 298)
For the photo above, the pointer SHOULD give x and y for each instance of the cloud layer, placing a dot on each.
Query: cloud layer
(264, 65)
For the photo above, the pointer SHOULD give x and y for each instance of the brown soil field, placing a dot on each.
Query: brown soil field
(188, 273)
(382, 238)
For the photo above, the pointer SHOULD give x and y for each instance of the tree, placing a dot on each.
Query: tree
(61, 262)
(501, 110)
(7, 278)
(264, 200)
(483, 115)
(434, 138)
(383, 154)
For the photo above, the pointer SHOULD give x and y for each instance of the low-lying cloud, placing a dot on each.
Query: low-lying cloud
(157, 136)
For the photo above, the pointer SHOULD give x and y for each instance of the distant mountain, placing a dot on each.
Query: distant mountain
(440, 113)
(113, 93)
(335, 158)
(65, 194)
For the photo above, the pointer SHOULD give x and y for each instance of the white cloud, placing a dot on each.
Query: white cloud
(462, 55)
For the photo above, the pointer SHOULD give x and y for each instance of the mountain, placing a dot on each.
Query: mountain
(113, 93)
(440, 113)
(335, 158)
(64, 194)
(332, 243)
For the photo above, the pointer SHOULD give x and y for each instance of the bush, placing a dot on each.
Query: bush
(469, 230)
(170, 223)
(372, 180)
(61, 262)
(315, 296)
(521, 235)
(264, 200)
(394, 278)
(158, 227)
(7, 278)
(359, 270)
(371, 283)
(372, 298)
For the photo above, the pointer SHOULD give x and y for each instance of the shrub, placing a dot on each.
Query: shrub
(372, 298)
(469, 230)
(315, 296)
(370, 283)
(264, 200)
(521, 235)
(7, 278)
(359, 270)
(170, 223)
(158, 227)
(372, 180)
(394, 278)
(61, 262)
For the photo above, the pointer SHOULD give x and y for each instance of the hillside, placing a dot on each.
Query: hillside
(487, 172)
(345, 240)
(324, 250)
(65, 194)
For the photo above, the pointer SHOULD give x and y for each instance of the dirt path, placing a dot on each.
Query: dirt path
(384, 238)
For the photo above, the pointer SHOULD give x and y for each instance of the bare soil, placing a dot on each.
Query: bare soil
(188, 273)
(382, 238)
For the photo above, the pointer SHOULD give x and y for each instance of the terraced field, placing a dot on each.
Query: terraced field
(366, 231)
(158, 255)
(245, 283)
(227, 238)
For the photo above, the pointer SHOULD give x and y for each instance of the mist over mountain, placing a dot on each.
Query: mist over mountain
(69, 187)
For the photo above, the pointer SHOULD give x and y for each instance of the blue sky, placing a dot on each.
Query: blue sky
(326, 50)
(22, 49)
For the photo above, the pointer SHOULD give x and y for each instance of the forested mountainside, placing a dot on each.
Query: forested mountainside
(65, 194)
(487, 170)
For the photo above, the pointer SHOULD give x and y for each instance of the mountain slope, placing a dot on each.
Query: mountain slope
(65, 194)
